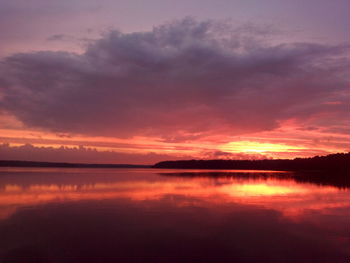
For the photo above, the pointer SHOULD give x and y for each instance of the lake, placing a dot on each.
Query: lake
(160, 215)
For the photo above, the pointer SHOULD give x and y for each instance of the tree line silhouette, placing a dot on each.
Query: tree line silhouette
(339, 162)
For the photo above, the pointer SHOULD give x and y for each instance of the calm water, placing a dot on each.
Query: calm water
(146, 215)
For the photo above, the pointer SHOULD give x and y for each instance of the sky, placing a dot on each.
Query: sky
(146, 81)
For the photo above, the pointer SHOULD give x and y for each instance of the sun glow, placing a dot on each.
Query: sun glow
(258, 147)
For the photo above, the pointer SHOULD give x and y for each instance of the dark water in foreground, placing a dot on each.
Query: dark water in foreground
(146, 215)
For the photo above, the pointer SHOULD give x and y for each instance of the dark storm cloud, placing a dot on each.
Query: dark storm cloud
(186, 76)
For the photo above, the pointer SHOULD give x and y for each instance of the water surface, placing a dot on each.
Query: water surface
(159, 215)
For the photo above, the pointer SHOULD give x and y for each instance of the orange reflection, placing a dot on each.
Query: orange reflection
(261, 189)
(286, 196)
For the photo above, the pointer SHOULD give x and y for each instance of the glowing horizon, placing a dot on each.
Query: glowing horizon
(155, 149)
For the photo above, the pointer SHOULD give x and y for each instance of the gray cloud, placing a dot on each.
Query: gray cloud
(58, 37)
(184, 77)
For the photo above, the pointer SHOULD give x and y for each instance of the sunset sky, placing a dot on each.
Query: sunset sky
(144, 81)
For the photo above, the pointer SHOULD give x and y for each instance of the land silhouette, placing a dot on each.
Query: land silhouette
(16, 163)
(339, 162)
(333, 169)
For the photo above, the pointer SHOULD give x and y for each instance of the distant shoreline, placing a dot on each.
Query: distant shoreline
(332, 169)
(16, 163)
(339, 162)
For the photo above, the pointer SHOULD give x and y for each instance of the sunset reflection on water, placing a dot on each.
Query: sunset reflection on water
(180, 202)
(281, 194)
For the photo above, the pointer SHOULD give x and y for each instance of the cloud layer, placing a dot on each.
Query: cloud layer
(81, 154)
(185, 78)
